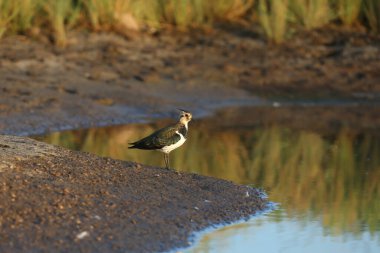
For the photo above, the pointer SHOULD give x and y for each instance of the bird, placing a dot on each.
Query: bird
(166, 139)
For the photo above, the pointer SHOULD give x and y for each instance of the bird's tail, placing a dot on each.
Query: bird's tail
(133, 145)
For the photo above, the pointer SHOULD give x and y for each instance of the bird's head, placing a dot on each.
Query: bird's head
(185, 116)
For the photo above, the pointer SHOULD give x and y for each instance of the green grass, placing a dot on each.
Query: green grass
(60, 14)
(8, 12)
(26, 14)
(184, 13)
(103, 14)
(372, 15)
(310, 13)
(276, 17)
(273, 16)
(349, 10)
(233, 9)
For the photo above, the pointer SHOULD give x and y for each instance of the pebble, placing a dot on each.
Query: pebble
(82, 235)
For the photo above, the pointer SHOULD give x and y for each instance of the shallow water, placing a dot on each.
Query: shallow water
(274, 232)
(326, 184)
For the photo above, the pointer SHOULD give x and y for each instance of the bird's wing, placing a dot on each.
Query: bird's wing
(159, 139)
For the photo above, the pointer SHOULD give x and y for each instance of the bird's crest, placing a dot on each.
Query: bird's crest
(182, 110)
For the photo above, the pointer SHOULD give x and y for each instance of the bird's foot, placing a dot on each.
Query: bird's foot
(174, 170)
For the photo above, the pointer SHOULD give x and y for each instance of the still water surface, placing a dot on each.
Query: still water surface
(327, 185)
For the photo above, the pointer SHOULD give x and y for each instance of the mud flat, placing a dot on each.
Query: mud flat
(56, 200)
(104, 79)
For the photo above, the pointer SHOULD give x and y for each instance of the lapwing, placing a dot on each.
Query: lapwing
(166, 139)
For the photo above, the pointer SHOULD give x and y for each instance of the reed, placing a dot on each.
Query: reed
(102, 14)
(8, 11)
(26, 15)
(190, 13)
(273, 16)
(348, 11)
(232, 9)
(371, 12)
(60, 14)
(182, 13)
(147, 12)
(310, 13)
(97, 11)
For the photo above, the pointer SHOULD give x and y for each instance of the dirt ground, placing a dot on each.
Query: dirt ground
(83, 203)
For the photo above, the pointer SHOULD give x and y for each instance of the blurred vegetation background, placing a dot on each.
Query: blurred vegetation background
(276, 19)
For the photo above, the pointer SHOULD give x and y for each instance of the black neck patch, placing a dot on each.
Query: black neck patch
(182, 130)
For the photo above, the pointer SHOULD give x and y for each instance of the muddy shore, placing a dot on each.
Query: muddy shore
(84, 203)
(105, 79)
(53, 199)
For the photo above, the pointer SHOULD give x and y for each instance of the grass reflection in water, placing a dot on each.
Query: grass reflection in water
(333, 179)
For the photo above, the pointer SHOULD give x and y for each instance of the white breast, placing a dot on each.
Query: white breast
(169, 148)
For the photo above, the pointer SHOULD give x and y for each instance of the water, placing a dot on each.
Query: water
(326, 183)
(275, 232)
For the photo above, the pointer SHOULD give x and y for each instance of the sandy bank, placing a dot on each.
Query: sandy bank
(53, 199)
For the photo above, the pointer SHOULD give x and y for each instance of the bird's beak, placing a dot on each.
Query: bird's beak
(183, 111)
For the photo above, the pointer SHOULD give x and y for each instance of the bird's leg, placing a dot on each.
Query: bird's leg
(167, 162)
(166, 159)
